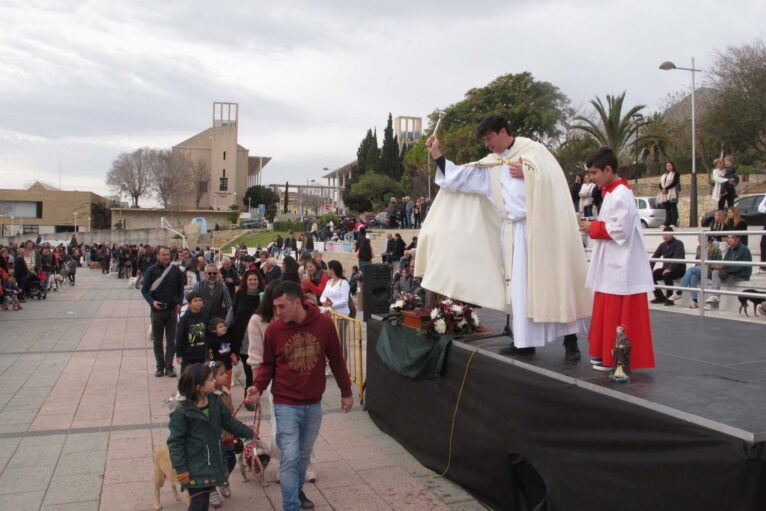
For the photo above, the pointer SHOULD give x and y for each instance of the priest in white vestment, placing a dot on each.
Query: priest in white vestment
(508, 220)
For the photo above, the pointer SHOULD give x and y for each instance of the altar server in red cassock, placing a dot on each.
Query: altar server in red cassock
(619, 272)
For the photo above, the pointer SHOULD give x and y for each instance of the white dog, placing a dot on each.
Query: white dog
(132, 282)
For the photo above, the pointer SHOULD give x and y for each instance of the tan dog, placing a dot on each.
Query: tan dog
(163, 469)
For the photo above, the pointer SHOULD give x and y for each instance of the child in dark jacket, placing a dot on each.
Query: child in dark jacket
(195, 435)
(229, 441)
(220, 345)
(191, 341)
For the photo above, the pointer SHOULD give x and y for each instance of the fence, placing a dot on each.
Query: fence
(350, 334)
(704, 263)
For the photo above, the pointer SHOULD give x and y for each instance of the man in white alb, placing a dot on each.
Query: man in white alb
(510, 214)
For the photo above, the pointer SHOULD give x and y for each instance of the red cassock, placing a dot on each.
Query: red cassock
(630, 311)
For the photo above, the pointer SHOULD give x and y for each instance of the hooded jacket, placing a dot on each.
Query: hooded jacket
(294, 356)
(195, 441)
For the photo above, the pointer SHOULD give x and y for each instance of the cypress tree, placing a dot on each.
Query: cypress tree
(287, 197)
(390, 163)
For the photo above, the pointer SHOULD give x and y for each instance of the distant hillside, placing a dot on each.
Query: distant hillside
(681, 111)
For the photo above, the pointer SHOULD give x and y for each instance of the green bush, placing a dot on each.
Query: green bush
(749, 169)
(287, 225)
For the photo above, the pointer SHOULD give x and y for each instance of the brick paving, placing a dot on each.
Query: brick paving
(81, 412)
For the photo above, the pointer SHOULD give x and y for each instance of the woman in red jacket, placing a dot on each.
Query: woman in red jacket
(314, 280)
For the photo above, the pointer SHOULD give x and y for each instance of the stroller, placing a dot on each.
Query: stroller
(11, 291)
(35, 287)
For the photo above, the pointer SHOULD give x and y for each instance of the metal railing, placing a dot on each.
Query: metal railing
(705, 263)
(350, 335)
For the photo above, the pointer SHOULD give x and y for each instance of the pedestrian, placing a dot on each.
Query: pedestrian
(575, 191)
(619, 270)
(670, 248)
(214, 293)
(192, 345)
(294, 353)
(246, 302)
(228, 441)
(163, 289)
(229, 275)
(195, 435)
(667, 197)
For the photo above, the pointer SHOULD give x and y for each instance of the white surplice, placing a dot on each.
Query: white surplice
(508, 195)
(620, 266)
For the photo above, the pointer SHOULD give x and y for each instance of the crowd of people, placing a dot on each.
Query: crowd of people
(208, 315)
(33, 268)
(407, 213)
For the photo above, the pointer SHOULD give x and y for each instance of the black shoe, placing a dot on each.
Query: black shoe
(669, 303)
(572, 352)
(159, 372)
(170, 373)
(658, 300)
(305, 502)
(513, 350)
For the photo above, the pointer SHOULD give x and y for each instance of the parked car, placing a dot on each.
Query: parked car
(650, 214)
(254, 223)
(380, 221)
(748, 210)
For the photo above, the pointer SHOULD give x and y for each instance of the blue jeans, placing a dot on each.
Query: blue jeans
(690, 279)
(297, 429)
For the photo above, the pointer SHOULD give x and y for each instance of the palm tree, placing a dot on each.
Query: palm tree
(612, 128)
(655, 140)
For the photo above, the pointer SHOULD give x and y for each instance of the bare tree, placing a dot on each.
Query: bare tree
(200, 176)
(130, 174)
(170, 173)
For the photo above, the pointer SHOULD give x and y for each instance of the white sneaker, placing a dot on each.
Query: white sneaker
(712, 299)
(215, 499)
(675, 297)
(595, 361)
(601, 367)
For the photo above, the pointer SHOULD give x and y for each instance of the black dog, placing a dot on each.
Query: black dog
(756, 301)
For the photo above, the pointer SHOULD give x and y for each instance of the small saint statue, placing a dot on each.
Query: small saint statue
(621, 354)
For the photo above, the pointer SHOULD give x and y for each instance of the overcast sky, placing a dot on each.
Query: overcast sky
(82, 81)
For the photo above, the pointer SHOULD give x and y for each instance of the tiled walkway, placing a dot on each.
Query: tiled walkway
(81, 411)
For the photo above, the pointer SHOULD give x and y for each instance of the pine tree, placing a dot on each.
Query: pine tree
(390, 163)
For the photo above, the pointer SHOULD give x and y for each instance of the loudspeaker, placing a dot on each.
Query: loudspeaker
(377, 289)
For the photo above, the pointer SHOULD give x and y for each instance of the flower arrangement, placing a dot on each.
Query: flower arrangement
(452, 318)
(406, 302)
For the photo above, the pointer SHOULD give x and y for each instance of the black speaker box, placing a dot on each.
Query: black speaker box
(376, 285)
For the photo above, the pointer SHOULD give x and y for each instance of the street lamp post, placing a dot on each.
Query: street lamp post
(669, 66)
(75, 221)
(636, 119)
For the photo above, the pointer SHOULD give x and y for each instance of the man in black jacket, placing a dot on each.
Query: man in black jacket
(670, 248)
(163, 289)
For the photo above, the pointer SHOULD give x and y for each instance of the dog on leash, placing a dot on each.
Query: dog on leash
(254, 458)
(163, 469)
(132, 282)
(756, 301)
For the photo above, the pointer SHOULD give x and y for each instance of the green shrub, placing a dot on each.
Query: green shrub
(287, 225)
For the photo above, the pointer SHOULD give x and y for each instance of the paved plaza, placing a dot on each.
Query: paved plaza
(81, 411)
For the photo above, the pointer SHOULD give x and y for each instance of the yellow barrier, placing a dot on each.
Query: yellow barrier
(350, 334)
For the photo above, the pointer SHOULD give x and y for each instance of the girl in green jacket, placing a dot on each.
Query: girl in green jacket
(195, 435)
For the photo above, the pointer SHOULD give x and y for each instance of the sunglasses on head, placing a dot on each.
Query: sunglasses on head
(212, 273)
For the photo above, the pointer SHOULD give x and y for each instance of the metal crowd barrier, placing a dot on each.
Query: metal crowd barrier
(350, 335)
(705, 263)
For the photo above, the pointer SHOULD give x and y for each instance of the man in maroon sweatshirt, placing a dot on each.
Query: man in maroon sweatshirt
(294, 351)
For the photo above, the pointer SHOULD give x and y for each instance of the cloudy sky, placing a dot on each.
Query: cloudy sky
(82, 81)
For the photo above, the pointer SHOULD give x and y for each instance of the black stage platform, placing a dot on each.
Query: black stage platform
(535, 432)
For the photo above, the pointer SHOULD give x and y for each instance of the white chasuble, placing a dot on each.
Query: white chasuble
(504, 282)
